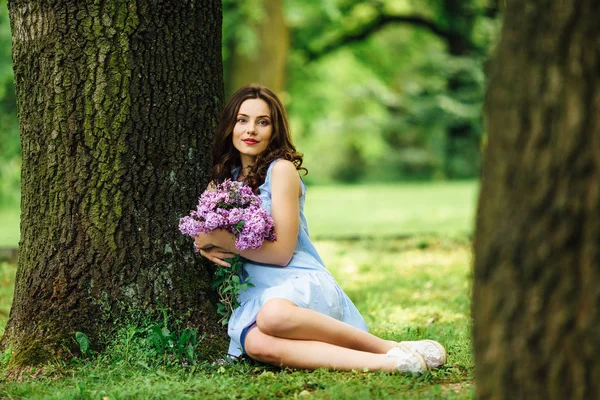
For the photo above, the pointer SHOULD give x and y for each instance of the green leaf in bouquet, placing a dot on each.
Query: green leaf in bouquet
(239, 226)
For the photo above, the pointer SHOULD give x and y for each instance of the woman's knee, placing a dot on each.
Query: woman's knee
(276, 316)
(261, 347)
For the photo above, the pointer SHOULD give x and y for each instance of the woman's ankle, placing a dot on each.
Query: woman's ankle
(389, 344)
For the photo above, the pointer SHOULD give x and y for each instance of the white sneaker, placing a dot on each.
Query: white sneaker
(432, 351)
(408, 360)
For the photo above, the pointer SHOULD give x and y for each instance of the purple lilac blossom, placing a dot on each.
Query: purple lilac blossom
(212, 221)
(235, 216)
(189, 226)
(231, 203)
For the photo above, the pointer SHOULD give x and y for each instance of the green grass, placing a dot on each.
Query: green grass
(383, 210)
(9, 227)
(405, 288)
(407, 283)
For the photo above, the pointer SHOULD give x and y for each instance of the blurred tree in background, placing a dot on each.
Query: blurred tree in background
(377, 90)
(255, 43)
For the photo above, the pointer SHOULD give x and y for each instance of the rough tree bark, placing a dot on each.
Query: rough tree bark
(537, 264)
(117, 103)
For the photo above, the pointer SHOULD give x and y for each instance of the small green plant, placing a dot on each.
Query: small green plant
(174, 347)
(144, 338)
(84, 344)
(228, 284)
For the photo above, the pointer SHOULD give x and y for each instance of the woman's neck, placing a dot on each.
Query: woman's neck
(246, 161)
(243, 173)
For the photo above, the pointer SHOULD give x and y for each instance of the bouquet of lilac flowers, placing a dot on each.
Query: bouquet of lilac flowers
(233, 207)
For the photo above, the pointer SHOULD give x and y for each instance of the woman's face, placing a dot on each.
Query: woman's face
(252, 130)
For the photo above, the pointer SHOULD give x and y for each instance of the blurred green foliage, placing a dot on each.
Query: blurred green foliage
(377, 90)
(10, 149)
(380, 90)
(404, 102)
(239, 19)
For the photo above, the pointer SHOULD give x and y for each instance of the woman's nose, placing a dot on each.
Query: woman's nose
(250, 128)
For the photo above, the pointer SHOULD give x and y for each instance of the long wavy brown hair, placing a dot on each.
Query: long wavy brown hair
(226, 157)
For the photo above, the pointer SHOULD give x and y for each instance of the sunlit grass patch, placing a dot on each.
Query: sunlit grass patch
(409, 289)
(435, 278)
(398, 209)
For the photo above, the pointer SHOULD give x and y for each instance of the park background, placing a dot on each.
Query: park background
(385, 101)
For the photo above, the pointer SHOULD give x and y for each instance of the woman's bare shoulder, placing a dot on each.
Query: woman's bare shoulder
(285, 167)
(285, 175)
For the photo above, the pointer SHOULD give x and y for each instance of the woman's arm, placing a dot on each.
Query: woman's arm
(285, 211)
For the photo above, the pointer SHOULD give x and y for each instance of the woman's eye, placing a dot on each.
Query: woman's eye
(241, 120)
(263, 122)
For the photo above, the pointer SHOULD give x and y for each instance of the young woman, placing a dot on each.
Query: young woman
(296, 315)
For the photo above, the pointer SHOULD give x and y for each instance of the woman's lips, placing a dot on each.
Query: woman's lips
(250, 141)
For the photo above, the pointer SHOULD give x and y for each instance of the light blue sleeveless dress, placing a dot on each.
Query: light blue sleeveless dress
(304, 281)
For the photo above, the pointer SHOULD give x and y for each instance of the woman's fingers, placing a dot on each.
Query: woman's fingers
(217, 256)
(225, 254)
(220, 253)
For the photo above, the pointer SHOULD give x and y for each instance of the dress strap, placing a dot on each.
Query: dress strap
(235, 172)
(268, 175)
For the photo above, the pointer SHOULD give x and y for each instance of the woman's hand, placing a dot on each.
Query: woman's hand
(217, 255)
(217, 238)
(210, 247)
(204, 240)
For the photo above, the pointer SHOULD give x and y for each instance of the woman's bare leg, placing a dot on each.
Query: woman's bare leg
(311, 354)
(284, 319)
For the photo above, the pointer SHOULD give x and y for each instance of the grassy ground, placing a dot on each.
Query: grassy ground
(406, 286)
(9, 226)
(445, 208)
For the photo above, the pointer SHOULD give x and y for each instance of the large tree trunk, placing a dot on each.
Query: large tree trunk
(117, 104)
(268, 63)
(537, 250)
